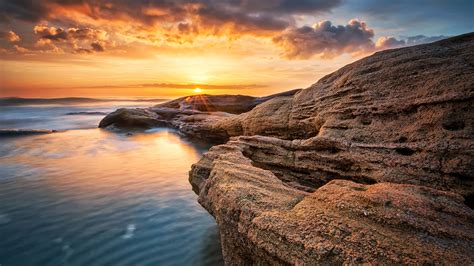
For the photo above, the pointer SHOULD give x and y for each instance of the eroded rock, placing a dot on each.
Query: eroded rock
(234, 104)
(372, 164)
(279, 214)
(194, 116)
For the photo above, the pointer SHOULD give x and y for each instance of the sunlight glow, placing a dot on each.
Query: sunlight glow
(197, 90)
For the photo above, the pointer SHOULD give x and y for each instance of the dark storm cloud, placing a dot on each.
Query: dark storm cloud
(325, 39)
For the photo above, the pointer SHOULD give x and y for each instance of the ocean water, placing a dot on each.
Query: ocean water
(86, 196)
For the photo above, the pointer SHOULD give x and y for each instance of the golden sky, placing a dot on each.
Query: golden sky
(58, 48)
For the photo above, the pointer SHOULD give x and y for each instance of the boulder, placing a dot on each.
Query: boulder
(131, 119)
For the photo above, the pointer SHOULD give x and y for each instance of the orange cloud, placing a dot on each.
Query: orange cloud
(10, 36)
(388, 42)
(78, 40)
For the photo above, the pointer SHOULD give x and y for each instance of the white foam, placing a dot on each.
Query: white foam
(129, 232)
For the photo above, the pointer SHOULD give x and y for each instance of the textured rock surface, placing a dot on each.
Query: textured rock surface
(234, 104)
(195, 116)
(372, 164)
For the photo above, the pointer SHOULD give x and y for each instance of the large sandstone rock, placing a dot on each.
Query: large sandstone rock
(269, 220)
(372, 164)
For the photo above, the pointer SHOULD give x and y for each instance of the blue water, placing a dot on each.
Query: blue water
(86, 196)
(61, 116)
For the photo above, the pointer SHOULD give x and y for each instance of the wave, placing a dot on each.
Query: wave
(12, 101)
(24, 132)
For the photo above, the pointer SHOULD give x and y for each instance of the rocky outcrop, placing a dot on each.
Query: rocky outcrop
(131, 118)
(371, 164)
(194, 116)
(269, 220)
(234, 104)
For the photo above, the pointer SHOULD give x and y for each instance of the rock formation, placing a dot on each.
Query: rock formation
(194, 116)
(374, 163)
(234, 104)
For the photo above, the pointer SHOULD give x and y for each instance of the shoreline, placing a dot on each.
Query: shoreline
(371, 164)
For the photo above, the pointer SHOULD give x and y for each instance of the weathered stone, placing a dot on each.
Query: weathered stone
(234, 104)
(131, 118)
(194, 116)
(372, 164)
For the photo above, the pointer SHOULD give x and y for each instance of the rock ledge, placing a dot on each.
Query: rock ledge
(372, 164)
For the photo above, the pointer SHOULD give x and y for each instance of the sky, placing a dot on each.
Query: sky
(122, 48)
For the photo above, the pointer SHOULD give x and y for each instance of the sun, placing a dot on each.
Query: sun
(197, 90)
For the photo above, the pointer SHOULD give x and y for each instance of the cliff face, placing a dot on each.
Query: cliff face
(373, 163)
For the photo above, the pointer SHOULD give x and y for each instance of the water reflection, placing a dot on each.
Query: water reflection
(91, 197)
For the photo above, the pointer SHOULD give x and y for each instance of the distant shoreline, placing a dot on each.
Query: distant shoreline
(15, 101)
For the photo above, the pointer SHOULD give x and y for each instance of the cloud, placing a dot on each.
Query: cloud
(236, 20)
(167, 24)
(59, 34)
(392, 42)
(420, 39)
(119, 26)
(97, 46)
(50, 33)
(20, 49)
(75, 38)
(389, 42)
(10, 36)
(325, 39)
(241, 15)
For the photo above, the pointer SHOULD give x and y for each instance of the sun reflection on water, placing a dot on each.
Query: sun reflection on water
(107, 195)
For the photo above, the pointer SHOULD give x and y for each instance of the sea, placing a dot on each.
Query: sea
(87, 196)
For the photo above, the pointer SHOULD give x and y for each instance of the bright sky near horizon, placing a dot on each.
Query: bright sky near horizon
(59, 48)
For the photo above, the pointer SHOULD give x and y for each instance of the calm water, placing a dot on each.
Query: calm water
(86, 196)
